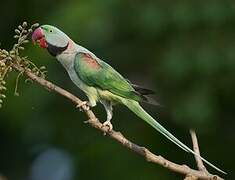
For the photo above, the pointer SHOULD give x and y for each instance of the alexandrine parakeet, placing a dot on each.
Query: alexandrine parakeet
(99, 81)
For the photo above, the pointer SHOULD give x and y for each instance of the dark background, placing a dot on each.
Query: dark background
(185, 50)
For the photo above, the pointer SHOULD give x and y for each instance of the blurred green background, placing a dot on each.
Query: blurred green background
(185, 50)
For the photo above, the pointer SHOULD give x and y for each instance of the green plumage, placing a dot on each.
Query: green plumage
(99, 74)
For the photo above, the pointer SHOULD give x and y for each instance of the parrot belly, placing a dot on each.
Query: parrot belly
(91, 92)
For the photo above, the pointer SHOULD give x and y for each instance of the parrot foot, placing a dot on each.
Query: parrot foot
(84, 103)
(109, 125)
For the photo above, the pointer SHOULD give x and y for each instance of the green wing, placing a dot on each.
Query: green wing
(99, 74)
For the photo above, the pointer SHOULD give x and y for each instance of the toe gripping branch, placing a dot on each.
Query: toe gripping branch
(83, 106)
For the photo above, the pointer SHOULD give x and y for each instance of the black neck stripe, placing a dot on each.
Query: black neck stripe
(55, 50)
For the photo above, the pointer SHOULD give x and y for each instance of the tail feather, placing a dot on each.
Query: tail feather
(139, 111)
(143, 91)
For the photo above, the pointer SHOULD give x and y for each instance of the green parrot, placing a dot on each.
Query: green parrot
(100, 82)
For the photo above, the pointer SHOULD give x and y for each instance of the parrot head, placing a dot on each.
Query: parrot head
(51, 38)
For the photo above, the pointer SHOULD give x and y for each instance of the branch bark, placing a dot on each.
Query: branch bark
(117, 136)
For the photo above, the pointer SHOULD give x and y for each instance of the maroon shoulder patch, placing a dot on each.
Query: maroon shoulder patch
(91, 61)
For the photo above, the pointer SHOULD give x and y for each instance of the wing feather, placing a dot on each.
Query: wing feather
(99, 74)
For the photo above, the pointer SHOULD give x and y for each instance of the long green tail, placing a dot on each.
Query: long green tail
(139, 111)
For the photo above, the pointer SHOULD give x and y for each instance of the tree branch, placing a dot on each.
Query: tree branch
(117, 136)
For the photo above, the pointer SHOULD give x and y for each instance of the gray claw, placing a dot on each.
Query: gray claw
(109, 125)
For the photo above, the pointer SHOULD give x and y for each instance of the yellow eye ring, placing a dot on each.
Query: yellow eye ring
(50, 30)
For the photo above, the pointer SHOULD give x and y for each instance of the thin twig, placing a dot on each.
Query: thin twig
(94, 122)
(196, 149)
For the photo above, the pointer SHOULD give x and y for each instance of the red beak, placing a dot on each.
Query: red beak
(39, 37)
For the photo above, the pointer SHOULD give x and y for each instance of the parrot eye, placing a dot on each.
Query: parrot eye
(50, 30)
